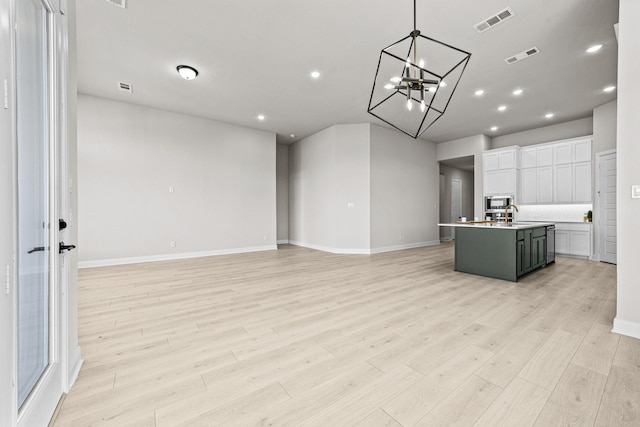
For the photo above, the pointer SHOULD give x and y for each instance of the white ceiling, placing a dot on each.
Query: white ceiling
(255, 57)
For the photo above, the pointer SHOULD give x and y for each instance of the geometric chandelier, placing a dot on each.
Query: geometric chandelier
(415, 80)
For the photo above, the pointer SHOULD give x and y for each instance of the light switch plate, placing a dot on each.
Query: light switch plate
(635, 191)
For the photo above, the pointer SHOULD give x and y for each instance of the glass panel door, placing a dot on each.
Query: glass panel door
(33, 195)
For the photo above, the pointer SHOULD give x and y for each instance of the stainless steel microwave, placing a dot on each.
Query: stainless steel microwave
(497, 203)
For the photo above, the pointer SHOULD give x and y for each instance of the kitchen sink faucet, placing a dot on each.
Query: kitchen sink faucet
(506, 213)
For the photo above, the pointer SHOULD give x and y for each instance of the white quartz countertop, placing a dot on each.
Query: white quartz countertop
(499, 225)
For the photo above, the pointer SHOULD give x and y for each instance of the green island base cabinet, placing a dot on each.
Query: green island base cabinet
(501, 252)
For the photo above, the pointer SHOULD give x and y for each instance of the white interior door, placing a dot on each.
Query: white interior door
(38, 372)
(456, 203)
(607, 228)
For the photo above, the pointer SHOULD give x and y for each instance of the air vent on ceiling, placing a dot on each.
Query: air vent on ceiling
(125, 87)
(121, 3)
(522, 55)
(494, 20)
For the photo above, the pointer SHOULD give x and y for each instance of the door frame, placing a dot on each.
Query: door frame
(44, 397)
(598, 206)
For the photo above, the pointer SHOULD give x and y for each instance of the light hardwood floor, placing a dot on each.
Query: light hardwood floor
(301, 337)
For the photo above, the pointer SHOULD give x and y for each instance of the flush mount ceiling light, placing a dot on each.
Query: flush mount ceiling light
(187, 72)
(502, 108)
(517, 92)
(609, 89)
(315, 74)
(479, 92)
(494, 128)
(548, 115)
(415, 71)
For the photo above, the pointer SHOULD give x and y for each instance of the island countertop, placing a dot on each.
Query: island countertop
(498, 225)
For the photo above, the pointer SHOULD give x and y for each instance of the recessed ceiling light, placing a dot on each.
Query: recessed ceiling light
(517, 92)
(609, 88)
(187, 72)
(502, 108)
(315, 74)
(549, 115)
(494, 128)
(594, 48)
(479, 92)
(260, 117)
(293, 135)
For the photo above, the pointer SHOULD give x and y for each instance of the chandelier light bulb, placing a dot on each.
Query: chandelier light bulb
(409, 105)
(388, 86)
(422, 106)
(421, 63)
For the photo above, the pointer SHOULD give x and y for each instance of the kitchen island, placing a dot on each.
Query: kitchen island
(499, 250)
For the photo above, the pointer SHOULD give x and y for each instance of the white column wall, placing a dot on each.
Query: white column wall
(627, 319)
(404, 191)
(470, 146)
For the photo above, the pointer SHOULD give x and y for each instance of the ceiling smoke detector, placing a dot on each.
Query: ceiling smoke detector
(494, 20)
(522, 55)
(120, 3)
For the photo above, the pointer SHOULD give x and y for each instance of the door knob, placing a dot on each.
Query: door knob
(64, 247)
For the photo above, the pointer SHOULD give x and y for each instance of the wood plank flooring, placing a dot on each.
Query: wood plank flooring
(297, 337)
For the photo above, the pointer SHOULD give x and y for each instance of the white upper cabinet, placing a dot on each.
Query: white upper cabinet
(500, 171)
(529, 157)
(582, 182)
(563, 153)
(544, 156)
(582, 151)
(490, 162)
(556, 173)
(544, 185)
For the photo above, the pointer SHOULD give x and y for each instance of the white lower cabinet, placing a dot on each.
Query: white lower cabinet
(573, 239)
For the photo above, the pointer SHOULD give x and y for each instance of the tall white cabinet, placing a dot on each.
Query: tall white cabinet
(556, 173)
(500, 168)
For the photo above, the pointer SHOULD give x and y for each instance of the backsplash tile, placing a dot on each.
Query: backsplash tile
(557, 213)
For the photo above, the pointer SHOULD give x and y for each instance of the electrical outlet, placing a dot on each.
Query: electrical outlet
(172, 244)
(171, 189)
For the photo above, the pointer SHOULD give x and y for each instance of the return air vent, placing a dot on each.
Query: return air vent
(494, 20)
(522, 55)
(125, 87)
(121, 3)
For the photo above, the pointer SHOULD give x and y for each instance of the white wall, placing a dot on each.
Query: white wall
(329, 190)
(282, 192)
(470, 146)
(605, 119)
(466, 179)
(627, 319)
(311, 190)
(566, 130)
(7, 221)
(224, 180)
(352, 197)
(404, 191)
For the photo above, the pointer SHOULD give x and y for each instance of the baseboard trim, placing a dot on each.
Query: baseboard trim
(171, 257)
(625, 327)
(74, 370)
(283, 242)
(403, 247)
(344, 251)
(365, 251)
